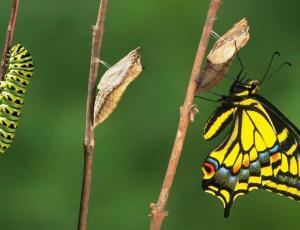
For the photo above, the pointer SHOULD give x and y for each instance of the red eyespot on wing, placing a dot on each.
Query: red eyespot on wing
(208, 170)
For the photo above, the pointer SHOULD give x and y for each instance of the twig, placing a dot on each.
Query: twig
(89, 140)
(158, 210)
(9, 37)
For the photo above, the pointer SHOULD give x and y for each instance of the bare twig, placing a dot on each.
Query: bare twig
(9, 37)
(158, 210)
(89, 141)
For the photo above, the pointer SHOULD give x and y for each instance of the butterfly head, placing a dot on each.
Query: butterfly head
(219, 182)
(244, 88)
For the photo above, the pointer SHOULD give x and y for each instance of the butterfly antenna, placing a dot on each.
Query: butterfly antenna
(207, 99)
(269, 65)
(279, 68)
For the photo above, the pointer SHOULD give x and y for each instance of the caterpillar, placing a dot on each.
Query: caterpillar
(13, 89)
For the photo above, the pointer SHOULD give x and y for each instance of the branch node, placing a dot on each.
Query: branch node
(89, 143)
(156, 210)
(96, 60)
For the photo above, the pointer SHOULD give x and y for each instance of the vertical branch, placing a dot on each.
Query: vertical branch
(89, 141)
(158, 210)
(9, 37)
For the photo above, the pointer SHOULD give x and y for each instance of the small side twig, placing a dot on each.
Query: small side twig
(89, 140)
(158, 210)
(9, 37)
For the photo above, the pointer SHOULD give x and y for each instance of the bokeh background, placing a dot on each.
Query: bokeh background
(40, 175)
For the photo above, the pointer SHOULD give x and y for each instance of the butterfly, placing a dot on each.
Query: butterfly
(261, 150)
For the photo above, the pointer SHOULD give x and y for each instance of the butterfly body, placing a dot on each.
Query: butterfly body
(260, 151)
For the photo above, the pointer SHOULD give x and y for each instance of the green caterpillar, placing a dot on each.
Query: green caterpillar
(13, 90)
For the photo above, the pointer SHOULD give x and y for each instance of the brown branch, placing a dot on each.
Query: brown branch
(89, 140)
(9, 37)
(158, 210)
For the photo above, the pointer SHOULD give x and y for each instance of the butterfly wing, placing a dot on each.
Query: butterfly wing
(220, 118)
(248, 156)
(286, 180)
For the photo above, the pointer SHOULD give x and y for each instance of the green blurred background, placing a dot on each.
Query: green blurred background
(40, 175)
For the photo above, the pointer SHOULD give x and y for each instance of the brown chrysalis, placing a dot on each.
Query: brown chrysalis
(114, 83)
(222, 54)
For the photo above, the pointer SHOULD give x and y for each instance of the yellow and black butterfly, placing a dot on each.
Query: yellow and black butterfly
(261, 149)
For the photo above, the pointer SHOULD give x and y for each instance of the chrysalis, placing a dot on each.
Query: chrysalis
(114, 83)
(222, 54)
